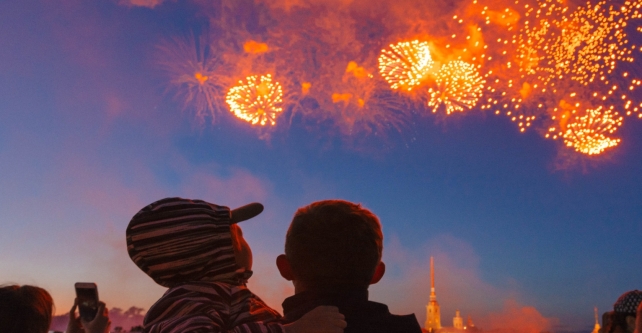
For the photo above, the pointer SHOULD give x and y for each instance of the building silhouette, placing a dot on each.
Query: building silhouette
(433, 313)
(458, 321)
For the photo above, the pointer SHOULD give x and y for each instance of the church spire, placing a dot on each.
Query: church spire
(433, 296)
(433, 316)
(596, 329)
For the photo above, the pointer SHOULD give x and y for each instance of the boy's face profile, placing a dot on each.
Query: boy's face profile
(242, 250)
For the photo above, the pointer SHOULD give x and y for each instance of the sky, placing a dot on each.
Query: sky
(523, 231)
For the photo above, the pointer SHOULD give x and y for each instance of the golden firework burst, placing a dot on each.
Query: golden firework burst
(405, 65)
(592, 132)
(257, 99)
(459, 87)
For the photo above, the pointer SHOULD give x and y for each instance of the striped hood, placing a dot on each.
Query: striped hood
(176, 241)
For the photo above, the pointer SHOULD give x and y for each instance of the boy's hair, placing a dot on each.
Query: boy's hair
(25, 309)
(334, 242)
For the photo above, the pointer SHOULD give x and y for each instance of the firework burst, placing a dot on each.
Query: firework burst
(551, 50)
(459, 87)
(257, 100)
(360, 103)
(592, 132)
(405, 65)
(194, 73)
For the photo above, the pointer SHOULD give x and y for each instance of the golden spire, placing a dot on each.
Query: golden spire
(433, 315)
(596, 329)
(433, 296)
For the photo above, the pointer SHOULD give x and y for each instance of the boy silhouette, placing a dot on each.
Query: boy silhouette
(332, 254)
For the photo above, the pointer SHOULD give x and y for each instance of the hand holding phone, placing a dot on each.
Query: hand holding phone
(94, 315)
(87, 295)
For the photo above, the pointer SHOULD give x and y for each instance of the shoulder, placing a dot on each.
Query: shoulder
(406, 323)
(383, 320)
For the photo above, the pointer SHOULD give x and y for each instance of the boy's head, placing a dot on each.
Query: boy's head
(177, 240)
(333, 243)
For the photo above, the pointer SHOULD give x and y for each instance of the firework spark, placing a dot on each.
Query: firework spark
(459, 87)
(194, 73)
(406, 64)
(554, 49)
(257, 100)
(592, 132)
(361, 104)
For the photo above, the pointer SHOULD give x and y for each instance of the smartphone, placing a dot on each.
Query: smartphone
(87, 294)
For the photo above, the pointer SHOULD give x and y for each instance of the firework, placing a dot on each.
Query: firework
(361, 104)
(194, 73)
(255, 47)
(257, 100)
(554, 50)
(406, 64)
(591, 133)
(459, 87)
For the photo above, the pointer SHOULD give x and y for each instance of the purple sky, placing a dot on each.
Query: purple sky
(89, 134)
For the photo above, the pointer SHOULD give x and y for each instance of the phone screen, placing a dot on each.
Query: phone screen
(87, 295)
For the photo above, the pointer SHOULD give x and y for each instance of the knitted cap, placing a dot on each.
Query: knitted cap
(628, 303)
(177, 240)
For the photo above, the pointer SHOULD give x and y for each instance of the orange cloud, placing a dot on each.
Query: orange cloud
(519, 318)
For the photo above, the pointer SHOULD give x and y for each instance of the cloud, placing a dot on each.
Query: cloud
(459, 285)
(518, 318)
(140, 3)
(238, 188)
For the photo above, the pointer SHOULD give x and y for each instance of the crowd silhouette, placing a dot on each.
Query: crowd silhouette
(196, 249)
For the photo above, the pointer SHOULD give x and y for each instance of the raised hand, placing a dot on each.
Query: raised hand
(100, 323)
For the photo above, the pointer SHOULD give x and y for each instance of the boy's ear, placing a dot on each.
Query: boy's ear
(379, 272)
(283, 265)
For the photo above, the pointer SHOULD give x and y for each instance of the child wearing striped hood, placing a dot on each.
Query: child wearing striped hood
(197, 250)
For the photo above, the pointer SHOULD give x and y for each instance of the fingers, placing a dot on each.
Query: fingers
(101, 312)
(341, 323)
(72, 312)
(102, 308)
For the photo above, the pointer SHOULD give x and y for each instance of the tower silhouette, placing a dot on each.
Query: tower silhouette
(597, 327)
(433, 316)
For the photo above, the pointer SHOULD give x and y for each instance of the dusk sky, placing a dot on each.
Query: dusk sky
(91, 131)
